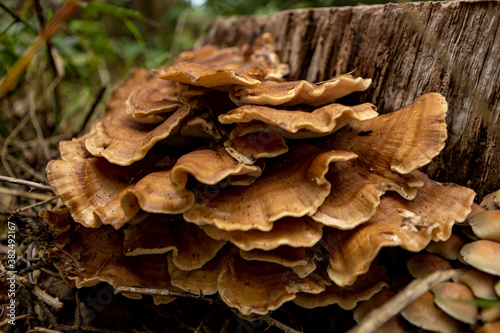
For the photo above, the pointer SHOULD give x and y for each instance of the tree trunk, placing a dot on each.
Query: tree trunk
(452, 48)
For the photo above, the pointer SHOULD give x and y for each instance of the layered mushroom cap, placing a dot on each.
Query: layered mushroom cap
(222, 177)
(298, 92)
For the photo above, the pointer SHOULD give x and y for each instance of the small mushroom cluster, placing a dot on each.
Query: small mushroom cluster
(217, 175)
(469, 301)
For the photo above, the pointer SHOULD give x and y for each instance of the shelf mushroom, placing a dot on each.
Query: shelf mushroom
(223, 177)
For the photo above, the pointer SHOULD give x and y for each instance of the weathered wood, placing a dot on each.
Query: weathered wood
(452, 48)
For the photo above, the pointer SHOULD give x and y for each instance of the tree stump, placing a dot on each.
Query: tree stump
(452, 48)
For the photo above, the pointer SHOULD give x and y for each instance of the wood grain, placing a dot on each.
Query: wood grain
(452, 48)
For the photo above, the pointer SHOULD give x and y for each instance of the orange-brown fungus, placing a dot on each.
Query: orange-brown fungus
(92, 255)
(217, 175)
(298, 92)
(296, 124)
(148, 104)
(294, 185)
(191, 247)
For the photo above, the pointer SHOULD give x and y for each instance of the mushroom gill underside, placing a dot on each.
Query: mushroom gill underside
(217, 175)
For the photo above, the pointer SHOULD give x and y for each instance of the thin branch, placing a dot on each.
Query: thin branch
(16, 17)
(40, 294)
(400, 301)
(23, 165)
(39, 266)
(163, 292)
(273, 322)
(41, 203)
(23, 182)
(49, 314)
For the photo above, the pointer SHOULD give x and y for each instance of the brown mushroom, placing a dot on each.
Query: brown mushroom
(284, 255)
(157, 193)
(390, 147)
(424, 313)
(476, 209)
(424, 264)
(148, 104)
(98, 192)
(94, 190)
(294, 185)
(200, 126)
(74, 150)
(209, 166)
(482, 284)
(491, 201)
(207, 76)
(92, 255)
(347, 297)
(290, 231)
(449, 248)
(356, 192)
(202, 281)
(296, 124)
(457, 300)
(220, 68)
(306, 269)
(260, 287)
(401, 141)
(298, 92)
(261, 144)
(397, 222)
(393, 325)
(121, 140)
(489, 314)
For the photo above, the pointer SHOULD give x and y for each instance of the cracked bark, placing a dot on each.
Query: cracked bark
(452, 48)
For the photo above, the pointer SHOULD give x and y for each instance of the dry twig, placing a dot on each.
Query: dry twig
(163, 292)
(41, 203)
(400, 301)
(23, 194)
(40, 294)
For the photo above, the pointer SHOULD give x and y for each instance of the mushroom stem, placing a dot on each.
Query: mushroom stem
(406, 296)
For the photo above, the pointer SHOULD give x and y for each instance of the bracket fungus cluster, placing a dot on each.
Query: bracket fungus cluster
(470, 299)
(217, 175)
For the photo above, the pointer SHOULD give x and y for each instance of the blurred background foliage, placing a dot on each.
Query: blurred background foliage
(64, 87)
